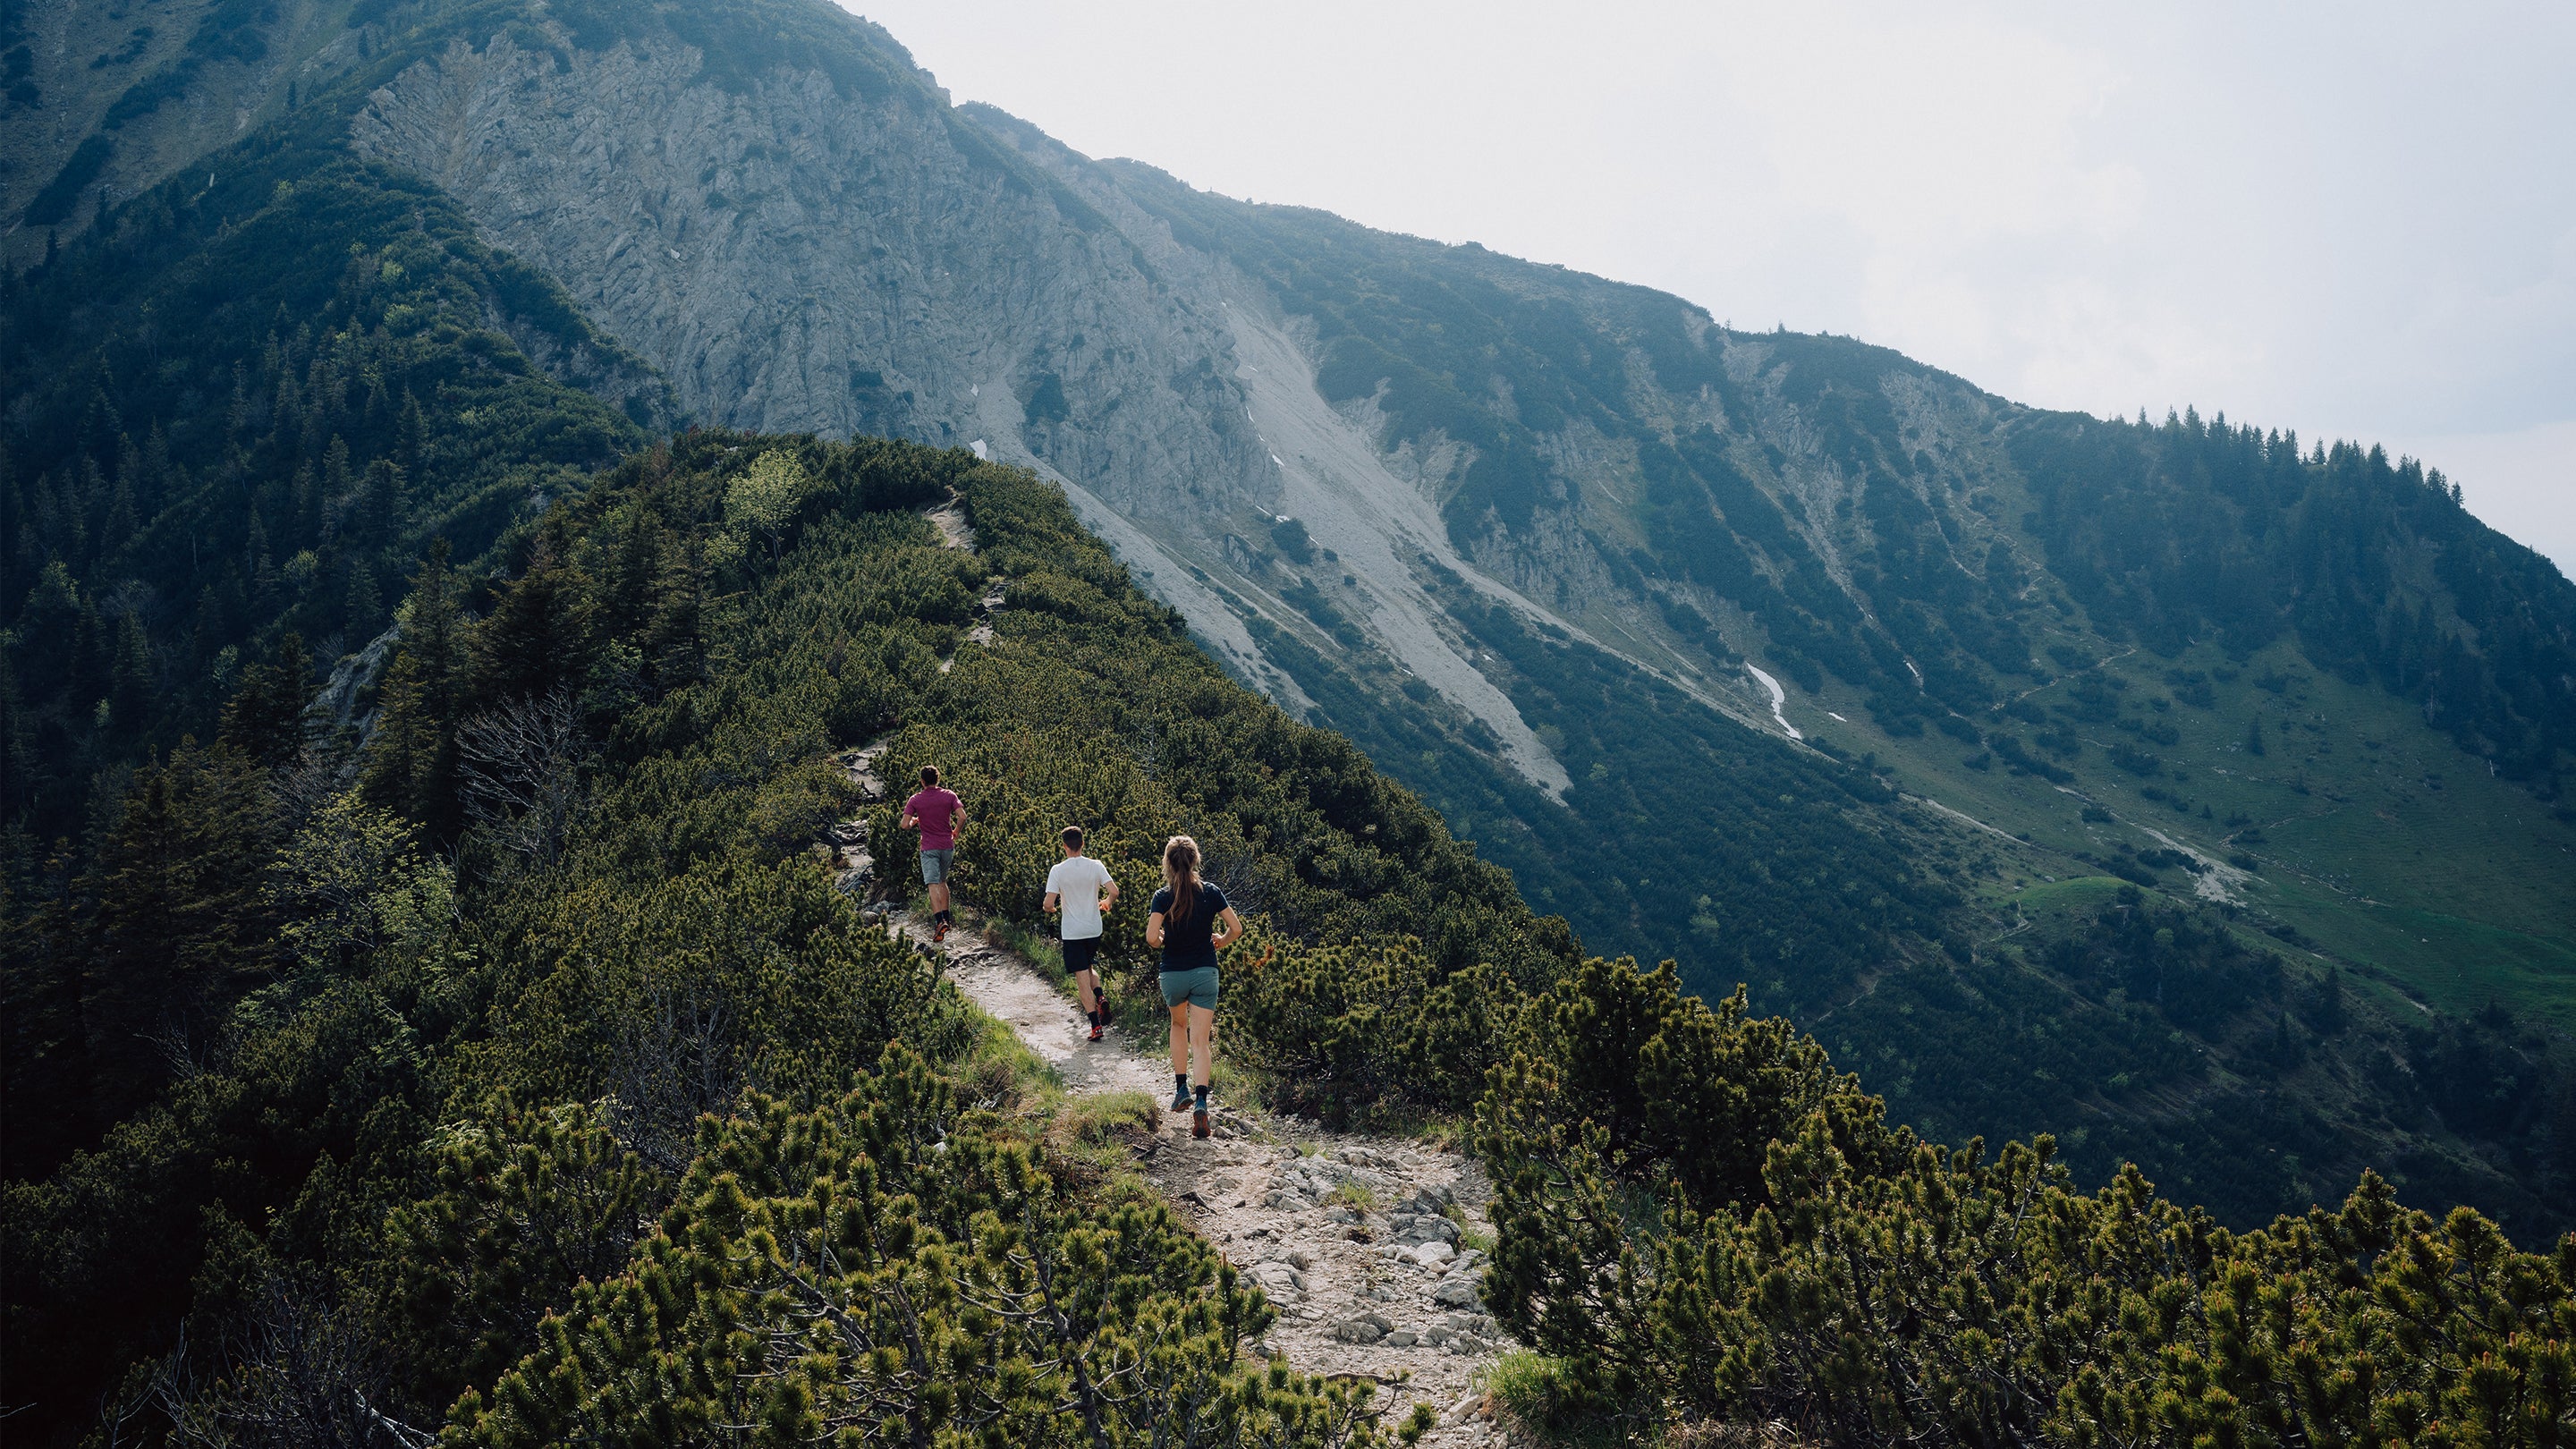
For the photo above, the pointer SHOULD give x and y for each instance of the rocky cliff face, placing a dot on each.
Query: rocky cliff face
(796, 258)
(810, 237)
(798, 250)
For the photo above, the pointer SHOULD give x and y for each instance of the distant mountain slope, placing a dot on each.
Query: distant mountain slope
(1541, 543)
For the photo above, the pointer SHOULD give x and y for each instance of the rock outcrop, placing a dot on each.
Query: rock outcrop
(796, 258)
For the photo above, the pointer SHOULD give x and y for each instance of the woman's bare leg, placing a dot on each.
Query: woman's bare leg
(1181, 1039)
(1203, 1039)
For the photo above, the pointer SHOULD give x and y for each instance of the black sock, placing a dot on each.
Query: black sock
(1180, 1083)
(1201, 1094)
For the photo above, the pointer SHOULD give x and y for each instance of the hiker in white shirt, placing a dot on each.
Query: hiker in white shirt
(1081, 887)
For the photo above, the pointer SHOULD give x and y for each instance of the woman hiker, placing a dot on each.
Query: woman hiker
(1080, 887)
(1190, 921)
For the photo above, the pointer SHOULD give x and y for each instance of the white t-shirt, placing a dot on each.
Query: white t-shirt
(1076, 884)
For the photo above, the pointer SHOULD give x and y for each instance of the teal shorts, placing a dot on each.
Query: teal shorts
(1197, 988)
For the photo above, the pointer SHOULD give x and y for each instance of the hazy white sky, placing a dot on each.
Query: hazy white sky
(2356, 220)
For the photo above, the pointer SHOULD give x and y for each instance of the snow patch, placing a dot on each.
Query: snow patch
(1779, 697)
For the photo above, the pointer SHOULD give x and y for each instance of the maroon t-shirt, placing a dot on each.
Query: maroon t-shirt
(936, 808)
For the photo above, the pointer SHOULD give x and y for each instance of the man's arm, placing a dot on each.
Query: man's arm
(1049, 903)
(1108, 892)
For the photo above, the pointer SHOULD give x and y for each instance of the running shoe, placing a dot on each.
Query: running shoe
(938, 931)
(1095, 1031)
(1199, 1123)
(1181, 1100)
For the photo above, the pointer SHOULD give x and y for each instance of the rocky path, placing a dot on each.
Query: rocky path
(1365, 1244)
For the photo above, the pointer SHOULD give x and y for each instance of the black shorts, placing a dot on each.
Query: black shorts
(1078, 954)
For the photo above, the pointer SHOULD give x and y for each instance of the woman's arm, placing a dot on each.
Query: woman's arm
(1229, 930)
(1154, 930)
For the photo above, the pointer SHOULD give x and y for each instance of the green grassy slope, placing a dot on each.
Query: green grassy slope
(1934, 573)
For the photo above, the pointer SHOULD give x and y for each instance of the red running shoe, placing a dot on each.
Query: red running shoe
(1095, 1031)
(938, 931)
(1199, 1123)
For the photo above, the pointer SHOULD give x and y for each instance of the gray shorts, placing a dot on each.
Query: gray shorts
(1198, 987)
(935, 864)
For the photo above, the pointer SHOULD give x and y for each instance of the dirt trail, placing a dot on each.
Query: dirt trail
(1357, 1239)
(1360, 1241)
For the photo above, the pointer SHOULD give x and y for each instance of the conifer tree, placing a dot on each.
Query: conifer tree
(538, 636)
(180, 926)
(410, 763)
(130, 677)
(268, 718)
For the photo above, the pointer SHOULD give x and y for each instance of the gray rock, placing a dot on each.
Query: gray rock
(1363, 1328)
(1457, 1292)
(772, 251)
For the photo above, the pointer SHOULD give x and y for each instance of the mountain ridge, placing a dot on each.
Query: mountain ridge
(1527, 535)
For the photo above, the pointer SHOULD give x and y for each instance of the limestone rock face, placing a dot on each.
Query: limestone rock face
(817, 240)
(797, 257)
(795, 252)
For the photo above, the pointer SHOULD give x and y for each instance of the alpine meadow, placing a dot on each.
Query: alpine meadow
(1788, 898)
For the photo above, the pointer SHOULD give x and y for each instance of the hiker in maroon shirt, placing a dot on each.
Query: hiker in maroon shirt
(939, 815)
